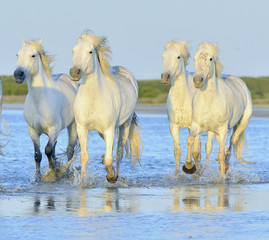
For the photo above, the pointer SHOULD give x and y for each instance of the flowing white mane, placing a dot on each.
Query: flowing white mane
(214, 50)
(46, 59)
(103, 52)
(182, 46)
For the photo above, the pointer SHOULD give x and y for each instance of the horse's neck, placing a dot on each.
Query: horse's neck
(211, 92)
(180, 86)
(39, 83)
(96, 83)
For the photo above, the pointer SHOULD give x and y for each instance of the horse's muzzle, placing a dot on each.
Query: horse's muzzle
(198, 81)
(166, 78)
(19, 76)
(75, 73)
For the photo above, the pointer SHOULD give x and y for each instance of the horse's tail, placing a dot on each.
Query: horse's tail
(135, 143)
(238, 149)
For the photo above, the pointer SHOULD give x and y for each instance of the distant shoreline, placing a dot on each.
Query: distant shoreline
(258, 111)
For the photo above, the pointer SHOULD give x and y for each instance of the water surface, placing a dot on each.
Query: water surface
(148, 202)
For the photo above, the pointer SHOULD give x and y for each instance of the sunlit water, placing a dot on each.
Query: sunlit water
(147, 202)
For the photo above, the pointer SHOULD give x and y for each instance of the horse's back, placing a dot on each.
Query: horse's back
(128, 90)
(64, 79)
(124, 77)
(240, 97)
(240, 85)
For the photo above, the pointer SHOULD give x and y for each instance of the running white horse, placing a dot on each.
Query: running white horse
(48, 107)
(179, 101)
(218, 105)
(105, 102)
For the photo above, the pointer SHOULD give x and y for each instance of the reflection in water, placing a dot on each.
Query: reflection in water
(93, 202)
(217, 199)
(111, 202)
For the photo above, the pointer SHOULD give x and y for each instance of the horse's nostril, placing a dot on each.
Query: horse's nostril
(21, 74)
(168, 76)
(202, 79)
(79, 71)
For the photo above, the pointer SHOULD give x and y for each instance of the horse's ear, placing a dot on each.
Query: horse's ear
(23, 41)
(41, 41)
(216, 46)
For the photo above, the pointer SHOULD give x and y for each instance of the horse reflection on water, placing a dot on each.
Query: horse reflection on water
(48, 107)
(184, 199)
(217, 199)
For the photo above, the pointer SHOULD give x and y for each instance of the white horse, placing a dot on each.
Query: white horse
(218, 105)
(105, 102)
(48, 107)
(179, 101)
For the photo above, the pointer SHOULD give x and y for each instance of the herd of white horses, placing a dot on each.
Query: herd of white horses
(102, 98)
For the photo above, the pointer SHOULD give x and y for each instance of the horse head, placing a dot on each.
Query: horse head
(206, 64)
(175, 58)
(30, 58)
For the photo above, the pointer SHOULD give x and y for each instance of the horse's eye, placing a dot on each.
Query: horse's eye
(33, 56)
(211, 59)
(178, 57)
(90, 52)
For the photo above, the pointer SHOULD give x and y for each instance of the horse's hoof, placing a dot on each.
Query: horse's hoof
(189, 171)
(38, 177)
(226, 168)
(112, 180)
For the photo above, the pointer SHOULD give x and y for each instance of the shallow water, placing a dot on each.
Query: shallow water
(148, 202)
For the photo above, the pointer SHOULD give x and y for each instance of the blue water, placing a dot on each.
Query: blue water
(148, 202)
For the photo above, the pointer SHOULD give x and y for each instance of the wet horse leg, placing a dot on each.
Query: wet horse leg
(36, 141)
(50, 147)
(196, 152)
(123, 136)
(174, 130)
(108, 161)
(221, 153)
(83, 133)
(208, 149)
(189, 167)
(72, 139)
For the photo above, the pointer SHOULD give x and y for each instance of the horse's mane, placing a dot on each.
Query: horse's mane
(182, 46)
(214, 49)
(46, 59)
(103, 52)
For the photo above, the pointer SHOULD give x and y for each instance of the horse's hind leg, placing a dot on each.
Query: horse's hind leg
(72, 139)
(36, 141)
(123, 136)
(174, 130)
(237, 138)
(208, 148)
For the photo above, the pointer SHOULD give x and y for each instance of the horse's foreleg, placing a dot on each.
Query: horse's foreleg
(50, 147)
(189, 166)
(123, 136)
(174, 130)
(72, 139)
(208, 148)
(196, 152)
(36, 141)
(221, 153)
(108, 161)
(83, 133)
